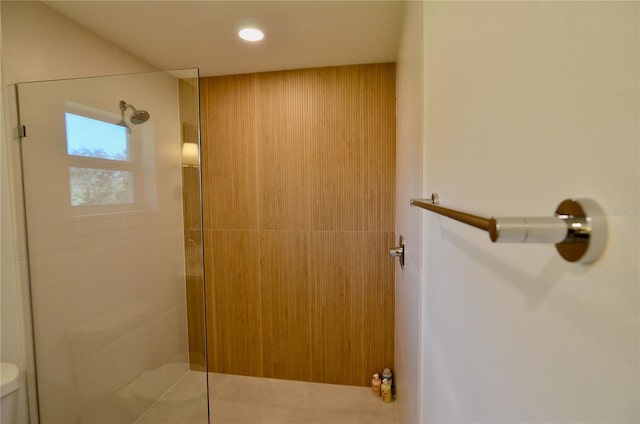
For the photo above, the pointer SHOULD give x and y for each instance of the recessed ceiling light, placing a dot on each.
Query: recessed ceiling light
(251, 34)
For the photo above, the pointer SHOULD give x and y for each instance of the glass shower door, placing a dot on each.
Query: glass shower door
(114, 236)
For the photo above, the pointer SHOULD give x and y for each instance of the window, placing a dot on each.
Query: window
(101, 170)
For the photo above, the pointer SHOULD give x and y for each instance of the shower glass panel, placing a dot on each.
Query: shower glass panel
(114, 236)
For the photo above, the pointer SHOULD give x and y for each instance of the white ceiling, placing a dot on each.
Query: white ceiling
(203, 34)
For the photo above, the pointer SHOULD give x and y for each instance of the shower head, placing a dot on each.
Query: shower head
(138, 116)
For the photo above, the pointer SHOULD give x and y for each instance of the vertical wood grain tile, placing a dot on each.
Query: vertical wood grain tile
(286, 122)
(376, 313)
(233, 296)
(192, 219)
(196, 322)
(188, 99)
(353, 153)
(229, 152)
(352, 306)
(332, 283)
(286, 329)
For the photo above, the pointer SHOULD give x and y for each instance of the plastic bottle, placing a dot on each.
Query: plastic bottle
(386, 373)
(387, 397)
(375, 385)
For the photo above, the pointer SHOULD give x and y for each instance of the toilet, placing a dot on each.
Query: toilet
(9, 375)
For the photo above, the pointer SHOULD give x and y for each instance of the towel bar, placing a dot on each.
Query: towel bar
(578, 229)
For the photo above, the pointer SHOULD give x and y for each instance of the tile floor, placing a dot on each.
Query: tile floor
(239, 399)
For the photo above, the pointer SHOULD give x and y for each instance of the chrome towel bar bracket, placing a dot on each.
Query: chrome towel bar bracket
(578, 229)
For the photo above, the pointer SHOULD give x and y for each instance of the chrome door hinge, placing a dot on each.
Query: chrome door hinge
(399, 251)
(21, 131)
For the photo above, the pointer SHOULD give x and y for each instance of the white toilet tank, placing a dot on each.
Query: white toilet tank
(9, 375)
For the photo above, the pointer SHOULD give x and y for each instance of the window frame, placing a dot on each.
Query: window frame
(132, 165)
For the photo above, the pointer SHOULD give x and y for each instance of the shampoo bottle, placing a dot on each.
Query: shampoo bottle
(387, 397)
(386, 373)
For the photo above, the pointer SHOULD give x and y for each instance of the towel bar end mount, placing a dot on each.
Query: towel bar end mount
(586, 230)
(578, 228)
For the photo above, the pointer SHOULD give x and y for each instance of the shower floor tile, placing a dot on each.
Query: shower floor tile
(240, 399)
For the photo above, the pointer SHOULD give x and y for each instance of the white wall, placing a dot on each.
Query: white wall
(526, 104)
(40, 44)
(10, 333)
(409, 220)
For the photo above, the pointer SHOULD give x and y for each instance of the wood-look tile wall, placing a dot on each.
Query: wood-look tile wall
(298, 184)
(192, 218)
